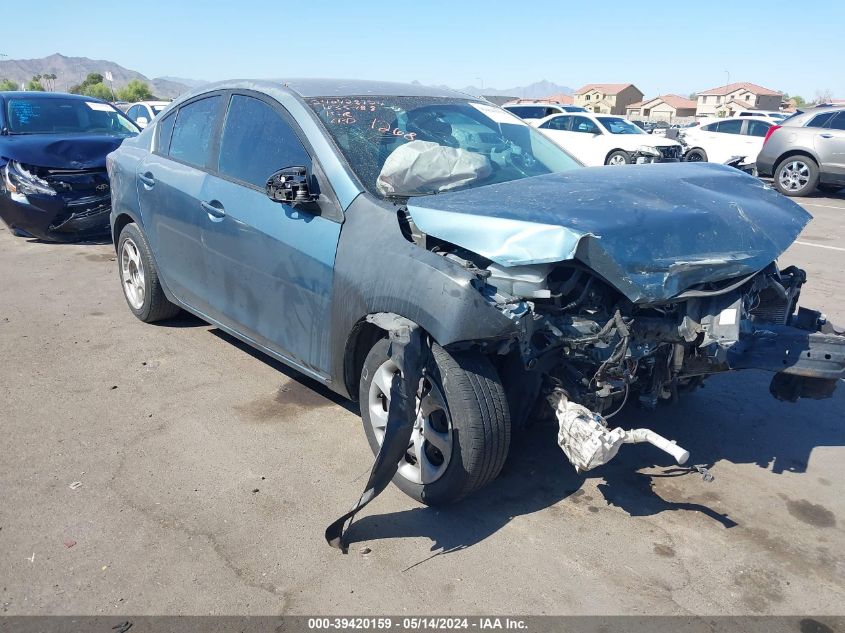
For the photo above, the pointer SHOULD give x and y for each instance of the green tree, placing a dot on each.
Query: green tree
(8, 84)
(91, 80)
(135, 90)
(35, 84)
(799, 100)
(98, 91)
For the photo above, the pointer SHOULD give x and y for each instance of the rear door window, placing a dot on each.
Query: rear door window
(557, 123)
(758, 128)
(257, 142)
(193, 132)
(729, 127)
(583, 124)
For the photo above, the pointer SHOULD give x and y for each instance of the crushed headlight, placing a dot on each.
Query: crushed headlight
(20, 180)
(648, 151)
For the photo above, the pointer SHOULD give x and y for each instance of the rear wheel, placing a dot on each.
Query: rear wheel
(696, 155)
(462, 434)
(139, 277)
(796, 176)
(619, 157)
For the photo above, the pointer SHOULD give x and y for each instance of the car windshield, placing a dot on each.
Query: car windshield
(411, 146)
(615, 125)
(56, 115)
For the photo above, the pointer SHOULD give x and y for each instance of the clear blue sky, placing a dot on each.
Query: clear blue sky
(795, 46)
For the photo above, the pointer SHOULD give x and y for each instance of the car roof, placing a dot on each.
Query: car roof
(799, 120)
(588, 114)
(717, 119)
(359, 87)
(37, 94)
(543, 104)
(151, 103)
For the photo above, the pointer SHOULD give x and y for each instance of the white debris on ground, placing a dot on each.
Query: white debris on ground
(587, 442)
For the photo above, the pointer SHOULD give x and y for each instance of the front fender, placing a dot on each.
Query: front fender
(378, 270)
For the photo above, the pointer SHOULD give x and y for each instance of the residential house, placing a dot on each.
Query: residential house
(607, 98)
(663, 108)
(733, 98)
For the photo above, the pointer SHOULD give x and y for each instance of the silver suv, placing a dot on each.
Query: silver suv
(806, 152)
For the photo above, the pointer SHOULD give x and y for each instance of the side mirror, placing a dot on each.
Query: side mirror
(142, 122)
(596, 132)
(290, 185)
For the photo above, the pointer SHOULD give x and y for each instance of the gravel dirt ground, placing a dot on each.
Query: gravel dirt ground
(209, 472)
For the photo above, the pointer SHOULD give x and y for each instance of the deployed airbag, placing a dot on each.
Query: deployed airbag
(425, 167)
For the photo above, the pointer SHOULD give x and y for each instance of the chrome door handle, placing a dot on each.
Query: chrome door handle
(147, 179)
(826, 135)
(212, 210)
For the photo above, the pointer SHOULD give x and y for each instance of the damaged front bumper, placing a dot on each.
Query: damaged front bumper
(78, 208)
(596, 363)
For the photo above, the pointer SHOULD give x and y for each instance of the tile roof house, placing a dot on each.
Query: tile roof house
(729, 99)
(607, 98)
(662, 108)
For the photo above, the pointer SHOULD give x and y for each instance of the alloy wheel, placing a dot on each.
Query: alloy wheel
(794, 176)
(132, 273)
(430, 447)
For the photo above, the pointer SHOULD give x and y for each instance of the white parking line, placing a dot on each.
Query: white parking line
(825, 206)
(832, 248)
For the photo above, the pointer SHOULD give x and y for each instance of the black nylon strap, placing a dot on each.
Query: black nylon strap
(410, 351)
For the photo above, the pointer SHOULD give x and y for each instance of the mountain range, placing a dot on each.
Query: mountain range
(536, 90)
(70, 71)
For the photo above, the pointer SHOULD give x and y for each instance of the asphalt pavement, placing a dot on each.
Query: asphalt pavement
(168, 469)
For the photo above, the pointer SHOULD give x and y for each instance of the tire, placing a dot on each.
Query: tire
(469, 414)
(796, 176)
(696, 155)
(618, 157)
(139, 277)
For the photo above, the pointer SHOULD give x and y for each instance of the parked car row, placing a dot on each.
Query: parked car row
(801, 153)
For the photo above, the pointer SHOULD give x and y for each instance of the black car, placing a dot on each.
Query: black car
(53, 147)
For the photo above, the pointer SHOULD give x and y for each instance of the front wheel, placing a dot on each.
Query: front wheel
(619, 157)
(696, 155)
(796, 176)
(462, 433)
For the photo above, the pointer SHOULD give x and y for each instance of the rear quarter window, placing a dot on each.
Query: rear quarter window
(820, 120)
(164, 131)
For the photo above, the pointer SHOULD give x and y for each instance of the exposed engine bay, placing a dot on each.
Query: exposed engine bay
(585, 348)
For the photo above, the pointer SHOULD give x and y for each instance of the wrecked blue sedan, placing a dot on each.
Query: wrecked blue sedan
(321, 222)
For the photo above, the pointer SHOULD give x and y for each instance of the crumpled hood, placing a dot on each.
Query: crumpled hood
(59, 151)
(650, 230)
